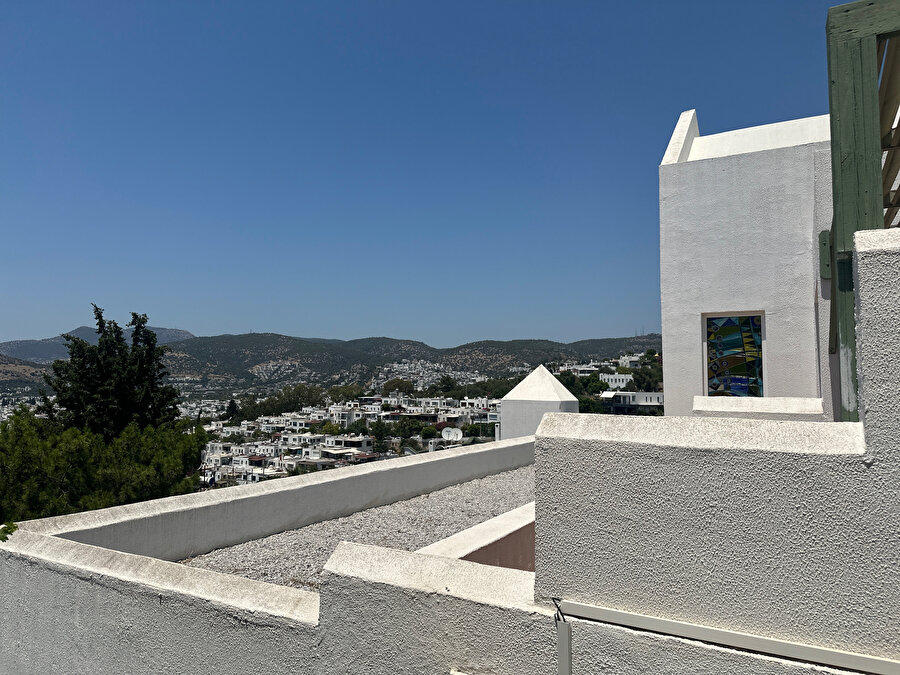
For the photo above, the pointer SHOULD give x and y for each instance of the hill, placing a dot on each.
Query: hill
(270, 360)
(15, 373)
(51, 349)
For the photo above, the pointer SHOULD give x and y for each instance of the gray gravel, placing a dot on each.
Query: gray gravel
(296, 557)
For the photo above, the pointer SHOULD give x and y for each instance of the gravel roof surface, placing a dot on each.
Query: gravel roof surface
(296, 557)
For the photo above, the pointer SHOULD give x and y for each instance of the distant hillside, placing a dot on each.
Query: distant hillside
(51, 349)
(271, 360)
(16, 373)
(268, 361)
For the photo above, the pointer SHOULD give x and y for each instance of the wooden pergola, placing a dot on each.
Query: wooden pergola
(864, 102)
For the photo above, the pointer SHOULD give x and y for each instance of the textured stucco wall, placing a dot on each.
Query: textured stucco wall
(736, 237)
(603, 649)
(779, 529)
(521, 418)
(60, 619)
(395, 612)
(877, 283)
(179, 527)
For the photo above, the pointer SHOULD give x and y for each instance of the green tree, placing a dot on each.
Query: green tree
(289, 399)
(107, 386)
(346, 392)
(398, 384)
(330, 429)
(358, 427)
(380, 430)
(45, 471)
(429, 432)
(230, 411)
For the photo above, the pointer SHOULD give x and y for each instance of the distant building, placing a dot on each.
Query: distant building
(522, 408)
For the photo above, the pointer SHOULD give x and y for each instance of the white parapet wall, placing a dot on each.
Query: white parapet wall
(415, 613)
(180, 527)
(785, 530)
(97, 591)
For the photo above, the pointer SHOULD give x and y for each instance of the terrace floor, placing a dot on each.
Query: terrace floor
(296, 557)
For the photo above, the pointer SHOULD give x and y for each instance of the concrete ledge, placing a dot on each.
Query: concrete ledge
(237, 593)
(502, 541)
(432, 615)
(69, 607)
(770, 408)
(723, 434)
(179, 527)
(483, 584)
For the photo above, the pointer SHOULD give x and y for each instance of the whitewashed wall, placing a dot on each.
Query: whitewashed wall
(738, 225)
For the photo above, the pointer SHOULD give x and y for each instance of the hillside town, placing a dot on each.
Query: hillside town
(375, 427)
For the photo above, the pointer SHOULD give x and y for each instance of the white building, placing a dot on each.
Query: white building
(522, 408)
(745, 208)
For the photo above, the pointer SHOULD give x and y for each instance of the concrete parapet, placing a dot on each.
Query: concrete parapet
(179, 527)
(780, 529)
(74, 608)
(78, 598)
(429, 614)
(505, 541)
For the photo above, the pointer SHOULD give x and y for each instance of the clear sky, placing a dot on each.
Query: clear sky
(442, 171)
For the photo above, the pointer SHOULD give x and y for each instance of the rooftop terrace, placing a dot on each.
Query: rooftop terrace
(297, 557)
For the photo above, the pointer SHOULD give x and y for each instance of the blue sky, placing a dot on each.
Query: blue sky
(442, 171)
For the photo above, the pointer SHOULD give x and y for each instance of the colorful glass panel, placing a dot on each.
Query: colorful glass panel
(734, 355)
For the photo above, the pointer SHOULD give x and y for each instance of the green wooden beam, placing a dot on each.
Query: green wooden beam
(852, 31)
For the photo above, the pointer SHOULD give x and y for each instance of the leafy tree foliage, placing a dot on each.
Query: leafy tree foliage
(230, 411)
(429, 432)
(479, 429)
(110, 436)
(398, 384)
(493, 388)
(407, 427)
(649, 376)
(330, 429)
(571, 382)
(106, 387)
(287, 400)
(589, 404)
(357, 427)
(48, 472)
(346, 392)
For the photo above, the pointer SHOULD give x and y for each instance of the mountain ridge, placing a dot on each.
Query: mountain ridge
(48, 350)
(268, 361)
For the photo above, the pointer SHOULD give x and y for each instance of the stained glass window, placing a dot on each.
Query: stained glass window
(734, 355)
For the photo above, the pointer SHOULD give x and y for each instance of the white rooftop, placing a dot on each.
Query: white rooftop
(687, 145)
(540, 385)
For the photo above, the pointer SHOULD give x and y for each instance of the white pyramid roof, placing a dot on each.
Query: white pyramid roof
(540, 385)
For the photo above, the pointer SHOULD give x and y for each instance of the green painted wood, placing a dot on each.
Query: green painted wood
(852, 32)
(825, 254)
(865, 18)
